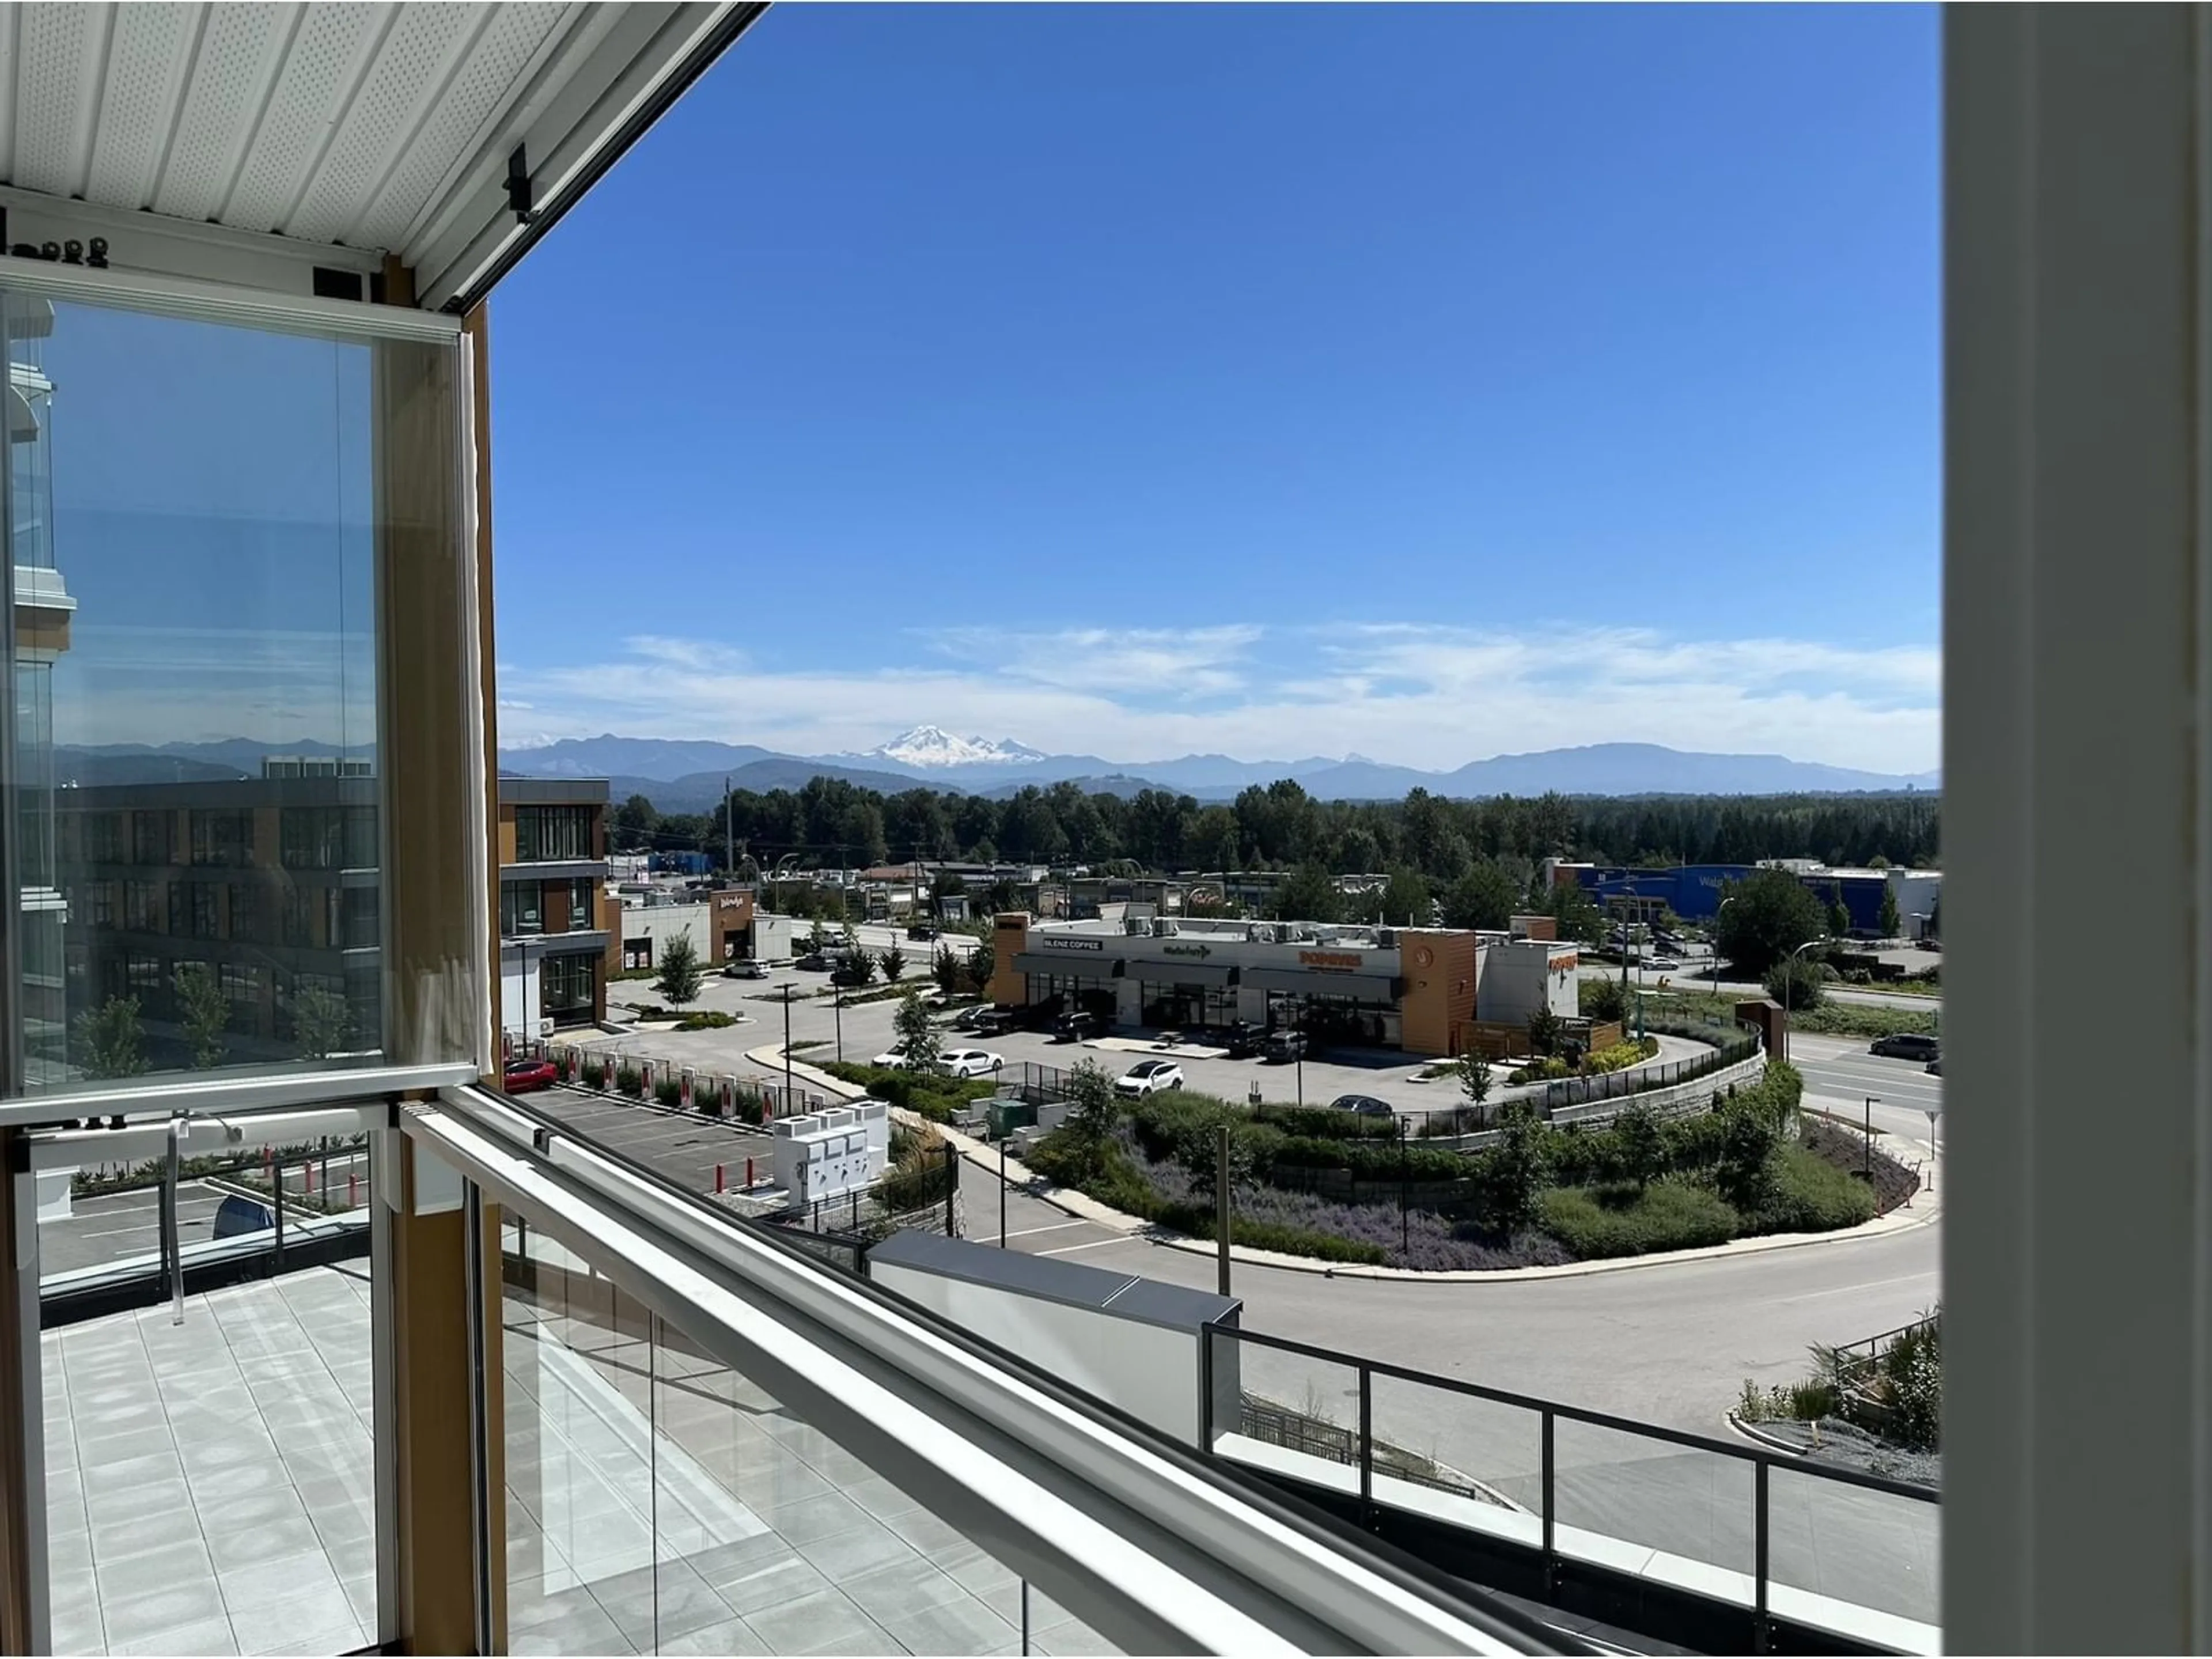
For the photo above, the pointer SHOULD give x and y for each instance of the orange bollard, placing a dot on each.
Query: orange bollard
(718, 1177)
(307, 1178)
(353, 1190)
(749, 1174)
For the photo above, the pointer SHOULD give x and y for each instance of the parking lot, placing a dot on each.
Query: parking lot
(679, 1148)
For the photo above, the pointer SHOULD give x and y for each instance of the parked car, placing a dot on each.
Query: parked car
(1284, 1046)
(894, 1059)
(1663, 964)
(813, 962)
(1935, 1068)
(1907, 1045)
(1149, 1077)
(745, 967)
(970, 1062)
(1242, 1041)
(1364, 1105)
(991, 1022)
(1077, 1026)
(524, 1075)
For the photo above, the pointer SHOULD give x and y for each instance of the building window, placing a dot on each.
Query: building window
(566, 986)
(102, 837)
(544, 833)
(522, 911)
(149, 838)
(245, 922)
(314, 837)
(243, 983)
(142, 906)
(637, 953)
(196, 909)
(99, 903)
(222, 837)
(583, 906)
(358, 910)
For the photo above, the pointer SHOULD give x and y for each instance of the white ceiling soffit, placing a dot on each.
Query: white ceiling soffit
(380, 127)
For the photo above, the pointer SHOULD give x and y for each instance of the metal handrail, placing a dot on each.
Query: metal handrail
(1549, 1413)
(1555, 1409)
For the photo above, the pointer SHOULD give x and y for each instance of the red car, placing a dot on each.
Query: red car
(524, 1075)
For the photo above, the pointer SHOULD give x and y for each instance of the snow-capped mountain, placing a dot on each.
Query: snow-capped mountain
(932, 746)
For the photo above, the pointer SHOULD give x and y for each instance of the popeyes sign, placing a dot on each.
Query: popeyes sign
(1565, 964)
(1333, 961)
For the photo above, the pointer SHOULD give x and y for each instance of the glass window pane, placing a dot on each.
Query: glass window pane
(197, 693)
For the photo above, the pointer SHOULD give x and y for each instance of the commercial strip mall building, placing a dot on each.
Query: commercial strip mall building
(496, 1387)
(1411, 989)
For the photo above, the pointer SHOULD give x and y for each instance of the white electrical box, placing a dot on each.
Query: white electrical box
(832, 1154)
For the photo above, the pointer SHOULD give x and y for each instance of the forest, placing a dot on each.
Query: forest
(829, 822)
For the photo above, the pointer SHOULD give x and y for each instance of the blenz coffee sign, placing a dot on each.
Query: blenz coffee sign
(1048, 942)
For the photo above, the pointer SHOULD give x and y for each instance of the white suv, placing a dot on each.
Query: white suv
(1149, 1077)
(970, 1062)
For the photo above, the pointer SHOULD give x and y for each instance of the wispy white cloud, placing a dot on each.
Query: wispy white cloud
(1413, 693)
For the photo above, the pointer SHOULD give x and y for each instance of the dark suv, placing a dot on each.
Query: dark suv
(1284, 1046)
(1908, 1046)
(1075, 1027)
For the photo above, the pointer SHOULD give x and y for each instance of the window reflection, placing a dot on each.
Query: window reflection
(191, 507)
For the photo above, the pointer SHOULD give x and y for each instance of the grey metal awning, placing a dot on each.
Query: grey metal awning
(1209, 974)
(1363, 988)
(1069, 966)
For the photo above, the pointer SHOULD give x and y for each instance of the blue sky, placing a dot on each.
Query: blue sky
(1425, 382)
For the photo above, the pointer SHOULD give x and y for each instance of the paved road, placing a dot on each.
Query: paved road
(1671, 1346)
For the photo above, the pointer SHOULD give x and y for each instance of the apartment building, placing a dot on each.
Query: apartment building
(560, 933)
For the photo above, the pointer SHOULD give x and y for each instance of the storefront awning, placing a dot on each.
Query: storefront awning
(1211, 974)
(1361, 988)
(1067, 966)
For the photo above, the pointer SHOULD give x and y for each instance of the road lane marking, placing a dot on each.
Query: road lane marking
(1024, 1232)
(1871, 1284)
(1070, 1249)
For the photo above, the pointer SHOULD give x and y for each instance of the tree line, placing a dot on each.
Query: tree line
(1442, 842)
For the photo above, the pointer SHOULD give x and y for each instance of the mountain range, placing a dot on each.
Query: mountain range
(688, 776)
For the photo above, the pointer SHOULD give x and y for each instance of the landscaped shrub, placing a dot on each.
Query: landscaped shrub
(706, 1019)
(1598, 1222)
(1602, 999)
(1808, 1194)
(933, 1096)
(1619, 1057)
(669, 1091)
(1544, 1071)
(628, 1082)
(1326, 1124)
(564, 1065)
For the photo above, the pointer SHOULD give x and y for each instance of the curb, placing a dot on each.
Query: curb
(1084, 1207)
(1771, 1441)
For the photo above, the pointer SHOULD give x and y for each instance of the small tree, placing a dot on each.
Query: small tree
(854, 970)
(1543, 1031)
(110, 1040)
(894, 964)
(322, 1022)
(818, 936)
(1520, 1167)
(1795, 984)
(1642, 1145)
(680, 972)
(1092, 1112)
(202, 1011)
(1749, 1138)
(1889, 922)
(916, 1039)
(1839, 919)
(944, 968)
(979, 969)
(1603, 998)
(1474, 1078)
(1197, 1150)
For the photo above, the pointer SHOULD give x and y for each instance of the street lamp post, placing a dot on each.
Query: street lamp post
(786, 1050)
(839, 1005)
(1724, 904)
(1872, 1100)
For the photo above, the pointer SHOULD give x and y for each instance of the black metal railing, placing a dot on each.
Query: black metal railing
(1226, 1410)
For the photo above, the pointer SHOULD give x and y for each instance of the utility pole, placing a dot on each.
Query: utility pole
(1872, 1100)
(729, 832)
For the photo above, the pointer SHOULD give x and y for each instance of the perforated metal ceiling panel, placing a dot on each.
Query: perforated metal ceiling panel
(382, 128)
